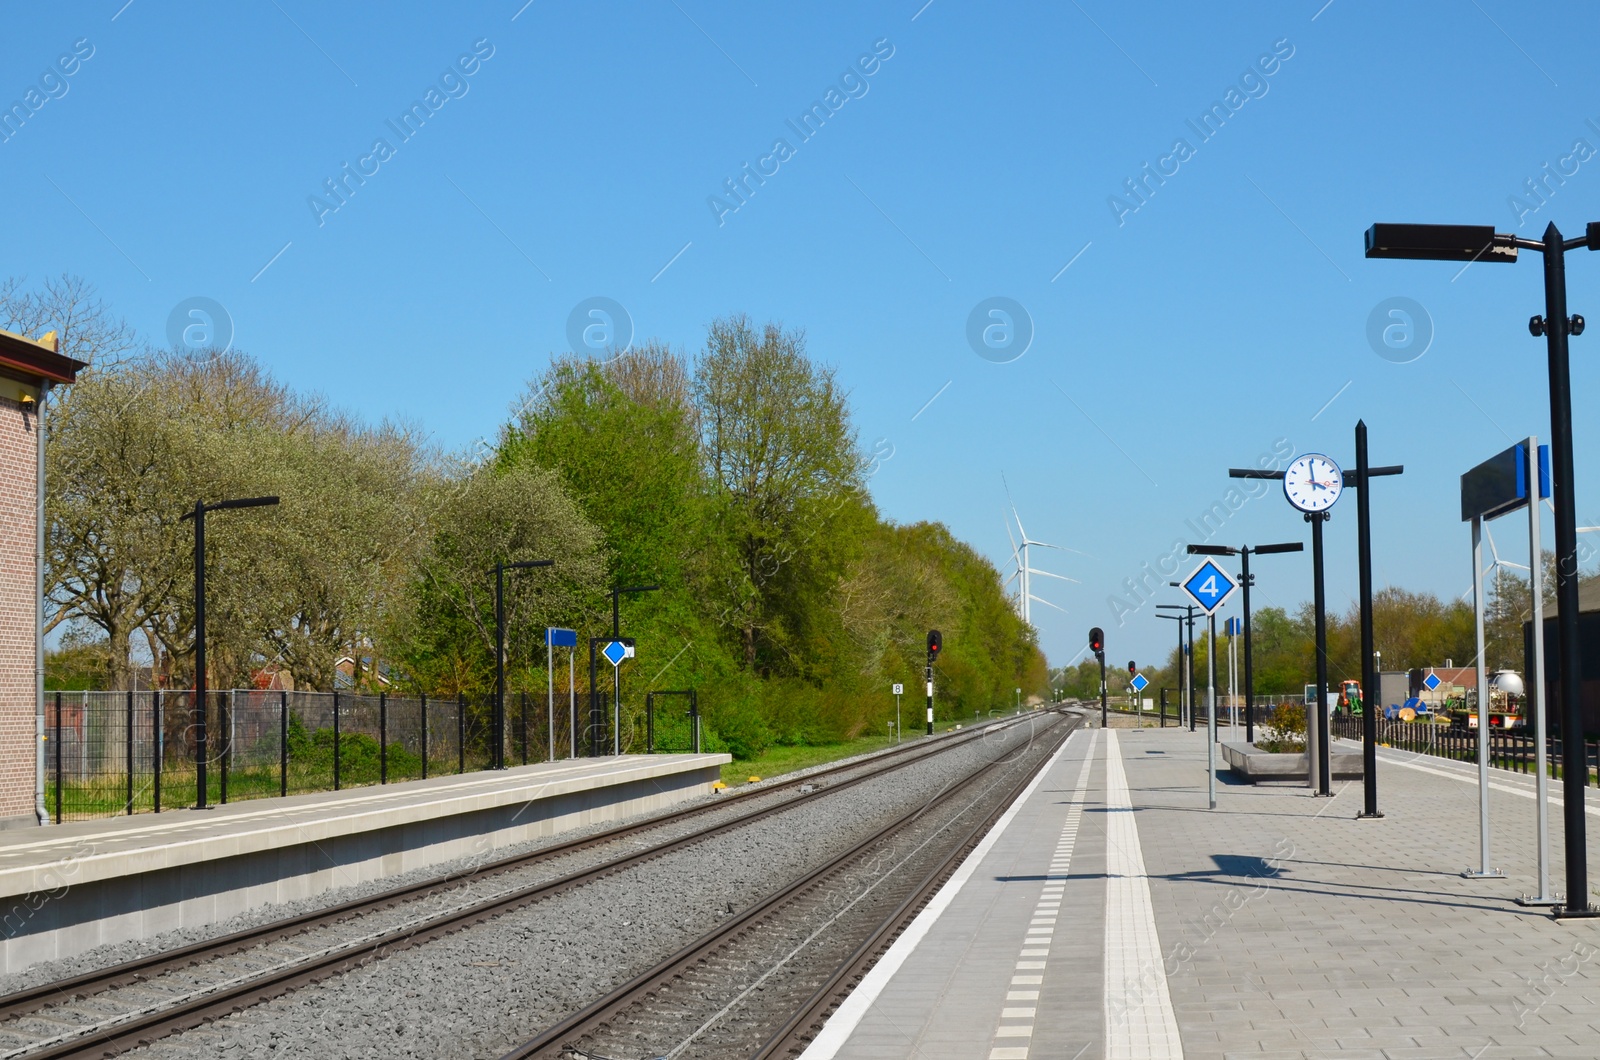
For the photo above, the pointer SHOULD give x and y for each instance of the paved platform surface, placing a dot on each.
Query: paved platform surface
(116, 846)
(1113, 915)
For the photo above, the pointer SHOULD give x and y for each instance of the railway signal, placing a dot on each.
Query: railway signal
(935, 646)
(1097, 644)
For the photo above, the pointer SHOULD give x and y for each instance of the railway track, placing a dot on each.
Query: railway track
(106, 1012)
(747, 972)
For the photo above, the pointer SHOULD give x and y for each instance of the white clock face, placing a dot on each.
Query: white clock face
(1313, 483)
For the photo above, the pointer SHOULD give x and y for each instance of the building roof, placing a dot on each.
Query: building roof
(39, 359)
(1588, 597)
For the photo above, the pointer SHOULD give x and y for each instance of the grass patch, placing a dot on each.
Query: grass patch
(776, 761)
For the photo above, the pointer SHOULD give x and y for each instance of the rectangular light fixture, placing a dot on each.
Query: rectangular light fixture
(1439, 243)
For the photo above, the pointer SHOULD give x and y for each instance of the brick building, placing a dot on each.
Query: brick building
(28, 369)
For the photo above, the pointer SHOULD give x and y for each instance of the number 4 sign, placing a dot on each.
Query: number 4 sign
(1209, 586)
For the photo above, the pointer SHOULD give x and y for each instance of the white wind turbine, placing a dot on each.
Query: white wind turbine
(1495, 562)
(1025, 570)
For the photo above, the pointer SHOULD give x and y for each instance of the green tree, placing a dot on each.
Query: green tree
(783, 467)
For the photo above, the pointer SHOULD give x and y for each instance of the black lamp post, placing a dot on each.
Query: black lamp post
(1187, 661)
(499, 756)
(198, 514)
(1472, 243)
(1245, 579)
(1179, 665)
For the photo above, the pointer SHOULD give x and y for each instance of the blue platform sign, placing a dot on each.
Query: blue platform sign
(1139, 683)
(1209, 586)
(1233, 627)
(1500, 485)
(561, 638)
(615, 651)
(1432, 682)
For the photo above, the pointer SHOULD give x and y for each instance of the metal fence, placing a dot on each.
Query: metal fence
(1512, 749)
(110, 753)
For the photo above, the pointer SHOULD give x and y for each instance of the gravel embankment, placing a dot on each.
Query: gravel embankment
(116, 953)
(480, 991)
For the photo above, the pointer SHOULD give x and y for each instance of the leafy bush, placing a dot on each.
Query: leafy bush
(1286, 731)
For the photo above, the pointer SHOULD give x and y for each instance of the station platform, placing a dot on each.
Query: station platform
(67, 888)
(1111, 914)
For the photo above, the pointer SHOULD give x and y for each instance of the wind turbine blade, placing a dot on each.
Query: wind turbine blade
(1062, 548)
(1048, 574)
(1047, 603)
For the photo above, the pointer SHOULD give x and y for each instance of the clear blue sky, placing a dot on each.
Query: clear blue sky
(979, 160)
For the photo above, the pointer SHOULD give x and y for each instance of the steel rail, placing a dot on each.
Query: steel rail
(194, 1011)
(557, 1040)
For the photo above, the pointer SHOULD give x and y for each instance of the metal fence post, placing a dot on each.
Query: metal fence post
(130, 752)
(461, 732)
(225, 725)
(694, 718)
(283, 742)
(383, 737)
(524, 696)
(58, 758)
(336, 739)
(649, 723)
(424, 736)
(156, 748)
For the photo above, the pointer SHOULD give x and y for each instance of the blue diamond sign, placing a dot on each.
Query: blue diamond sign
(1432, 682)
(1139, 683)
(1209, 586)
(615, 651)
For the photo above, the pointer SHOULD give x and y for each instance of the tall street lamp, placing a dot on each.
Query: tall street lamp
(1245, 579)
(198, 514)
(1472, 243)
(1179, 619)
(499, 756)
(1187, 662)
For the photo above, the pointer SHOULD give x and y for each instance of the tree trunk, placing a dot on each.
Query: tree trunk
(118, 668)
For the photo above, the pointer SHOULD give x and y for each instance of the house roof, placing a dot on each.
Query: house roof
(37, 359)
(1588, 598)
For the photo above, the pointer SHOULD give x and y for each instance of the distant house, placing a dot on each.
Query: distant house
(1588, 657)
(344, 673)
(29, 369)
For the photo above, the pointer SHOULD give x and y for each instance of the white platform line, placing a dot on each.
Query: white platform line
(844, 1021)
(1140, 1023)
(1049, 902)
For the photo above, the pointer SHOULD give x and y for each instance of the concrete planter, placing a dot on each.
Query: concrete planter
(1255, 765)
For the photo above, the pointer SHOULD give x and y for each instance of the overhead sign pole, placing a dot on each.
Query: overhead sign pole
(1535, 683)
(1209, 586)
(1484, 869)
(561, 638)
(1501, 485)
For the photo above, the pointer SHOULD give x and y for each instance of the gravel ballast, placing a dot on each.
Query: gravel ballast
(482, 990)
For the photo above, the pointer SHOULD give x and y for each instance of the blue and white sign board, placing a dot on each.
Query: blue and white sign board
(615, 651)
(561, 638)
(1233, 627)
(1500, 485)
(1432, 682)
(1209, 586)
(1139, 683)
